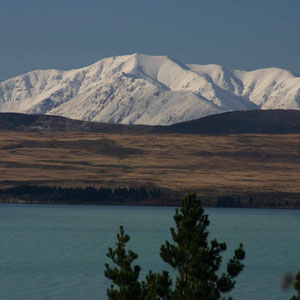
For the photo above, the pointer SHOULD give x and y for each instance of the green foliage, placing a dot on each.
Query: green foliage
(157, 286)
(124, 276)
(297, 287)
(196, 261)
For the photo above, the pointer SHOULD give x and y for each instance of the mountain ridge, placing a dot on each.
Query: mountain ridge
(237, 122)
(150, 90)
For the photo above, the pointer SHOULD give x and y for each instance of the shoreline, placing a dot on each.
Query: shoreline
(141, 196)
(132, 204)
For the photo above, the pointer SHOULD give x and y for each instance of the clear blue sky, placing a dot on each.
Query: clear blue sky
(65, 34)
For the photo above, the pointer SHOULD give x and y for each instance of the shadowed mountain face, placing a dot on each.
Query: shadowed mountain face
(36, 123)
(238, 122)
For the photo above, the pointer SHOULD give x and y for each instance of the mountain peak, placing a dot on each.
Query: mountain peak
(145, 89)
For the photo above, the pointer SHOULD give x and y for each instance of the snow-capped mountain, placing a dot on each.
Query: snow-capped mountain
(144, 89)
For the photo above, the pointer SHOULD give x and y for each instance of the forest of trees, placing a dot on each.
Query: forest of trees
(131, 196)
(255, 202)
(86, 195)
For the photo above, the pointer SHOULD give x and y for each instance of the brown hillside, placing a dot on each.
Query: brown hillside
(233, 164)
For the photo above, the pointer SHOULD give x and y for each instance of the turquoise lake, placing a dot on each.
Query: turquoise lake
(59, 251)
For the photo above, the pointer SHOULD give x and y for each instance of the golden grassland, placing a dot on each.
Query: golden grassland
(209, 165)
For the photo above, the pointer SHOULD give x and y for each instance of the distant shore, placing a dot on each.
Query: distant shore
(31, 194)
(172, 204)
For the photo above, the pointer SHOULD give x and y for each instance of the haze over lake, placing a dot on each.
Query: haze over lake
(58, 252)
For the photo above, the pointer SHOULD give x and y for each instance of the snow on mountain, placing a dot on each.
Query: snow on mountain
(144, 89)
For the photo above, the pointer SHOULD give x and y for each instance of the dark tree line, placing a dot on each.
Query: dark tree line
(126, 196)
(251, 202)
(230, 201)
(82, 195)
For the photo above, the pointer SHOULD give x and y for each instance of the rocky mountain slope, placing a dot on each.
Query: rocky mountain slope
(143, 89)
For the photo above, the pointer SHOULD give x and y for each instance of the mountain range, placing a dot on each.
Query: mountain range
(150, 90)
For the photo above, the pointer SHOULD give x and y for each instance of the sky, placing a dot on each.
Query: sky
(68, 34)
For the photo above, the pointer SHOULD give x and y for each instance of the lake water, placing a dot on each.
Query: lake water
(58, 252)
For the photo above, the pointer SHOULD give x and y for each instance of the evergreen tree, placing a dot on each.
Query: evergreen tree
(157, 286)
(124, 277)
(195, 261)
(297, 287)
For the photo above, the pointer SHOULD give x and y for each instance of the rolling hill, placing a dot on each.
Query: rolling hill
(237, 122)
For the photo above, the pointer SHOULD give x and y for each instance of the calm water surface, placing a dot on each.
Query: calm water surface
(58, 252)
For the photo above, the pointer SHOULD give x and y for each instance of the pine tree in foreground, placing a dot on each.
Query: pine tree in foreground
(196, 261)
(124, 276)
(157, 286)
(297, 287)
